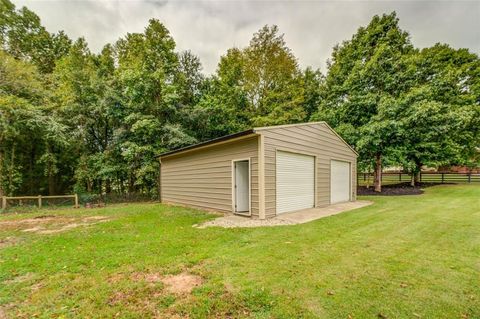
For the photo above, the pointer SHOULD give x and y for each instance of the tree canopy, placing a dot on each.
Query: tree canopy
(74, 120)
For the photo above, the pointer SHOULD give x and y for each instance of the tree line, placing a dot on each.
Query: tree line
(74, 120)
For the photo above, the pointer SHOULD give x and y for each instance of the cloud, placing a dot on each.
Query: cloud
(209, 28)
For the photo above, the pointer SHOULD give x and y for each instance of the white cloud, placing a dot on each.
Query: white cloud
(209, 28)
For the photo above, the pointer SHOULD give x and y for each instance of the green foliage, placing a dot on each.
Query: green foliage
(23, 36)
(259, 85)
(71, 119)
(407, 107)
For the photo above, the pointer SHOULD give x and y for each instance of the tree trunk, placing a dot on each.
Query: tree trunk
(11, 171)
(89, 186)
(51, 183)
(378, 173)
(131, 185)
(416, 174)
(51, 177)
(2, 192)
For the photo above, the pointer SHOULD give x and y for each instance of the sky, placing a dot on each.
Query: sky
(210, 28)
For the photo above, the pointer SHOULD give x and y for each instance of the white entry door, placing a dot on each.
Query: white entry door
(295, 182)
(339, 181)
(242, 186)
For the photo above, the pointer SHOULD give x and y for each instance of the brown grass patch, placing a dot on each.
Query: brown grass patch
(182, 283)
(179, 284)
(8, 241)
(22, 278)
(49, 224)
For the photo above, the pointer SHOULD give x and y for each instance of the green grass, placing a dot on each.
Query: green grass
(402, 257)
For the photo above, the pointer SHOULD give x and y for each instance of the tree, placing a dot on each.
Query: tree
(149, 103)
(25, 128)
(255, 86)
(312, 82)
(23, 36)
(83, 97)
(439, 115)
(272, 80)
(363, 72)
(223, 108)
(189, 79)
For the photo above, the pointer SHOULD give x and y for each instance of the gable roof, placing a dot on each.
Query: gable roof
(253, 131)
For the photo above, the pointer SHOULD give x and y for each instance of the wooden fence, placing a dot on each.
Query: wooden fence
(426, 177)
(38, 198)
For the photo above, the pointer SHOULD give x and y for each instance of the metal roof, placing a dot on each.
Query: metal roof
(215, 140)
(248, 132)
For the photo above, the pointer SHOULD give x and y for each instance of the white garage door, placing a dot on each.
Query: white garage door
(339, 182)
(295, 181)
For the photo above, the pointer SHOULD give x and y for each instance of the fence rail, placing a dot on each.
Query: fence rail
(39, 199)
(427, 177)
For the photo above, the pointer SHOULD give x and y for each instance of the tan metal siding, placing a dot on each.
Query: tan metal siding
(203, 178)
(314, 139)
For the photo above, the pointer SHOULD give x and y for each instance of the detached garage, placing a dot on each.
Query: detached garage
(262, 172)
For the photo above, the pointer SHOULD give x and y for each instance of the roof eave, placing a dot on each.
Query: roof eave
(214, 141)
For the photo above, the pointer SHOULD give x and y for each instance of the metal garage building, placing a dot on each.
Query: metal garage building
(262, 172)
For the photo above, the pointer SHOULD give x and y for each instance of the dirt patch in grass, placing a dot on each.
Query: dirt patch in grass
(182, 283)
(49, 224)
(179, 284)
(142, 301)
(35, 221)
(22, 278)
(8, 241)
(396, 189)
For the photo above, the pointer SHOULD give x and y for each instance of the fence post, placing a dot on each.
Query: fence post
(420, 176)
(443, 178)
(4, 202)
(39, 201)
(76, 201)
(469, 177)
(400, 177)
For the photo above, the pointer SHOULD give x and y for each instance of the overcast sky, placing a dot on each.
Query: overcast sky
(209, 28)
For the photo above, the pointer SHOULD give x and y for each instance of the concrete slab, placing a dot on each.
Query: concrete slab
(307, 215)
(292, 218)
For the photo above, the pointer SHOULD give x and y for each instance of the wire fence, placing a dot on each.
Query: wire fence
(26, 202)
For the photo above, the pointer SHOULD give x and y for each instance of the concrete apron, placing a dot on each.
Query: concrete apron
(291, 218)
(307, 215)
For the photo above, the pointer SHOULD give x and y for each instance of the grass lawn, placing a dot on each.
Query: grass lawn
(402, 257)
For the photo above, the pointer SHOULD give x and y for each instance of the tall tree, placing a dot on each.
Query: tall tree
(312, 82)
(23, 36)
(147, 66)
(84, 98)
(364, 71)
(439, 115)
(255, 86)
(25, 126)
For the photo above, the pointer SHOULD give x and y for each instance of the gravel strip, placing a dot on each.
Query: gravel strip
(237, 221)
